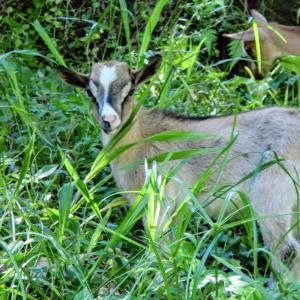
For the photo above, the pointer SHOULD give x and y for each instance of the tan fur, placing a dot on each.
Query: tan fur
(272, 193)
(272, 45)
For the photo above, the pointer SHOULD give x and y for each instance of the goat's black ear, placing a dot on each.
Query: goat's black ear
(145, 73)
(73, 78)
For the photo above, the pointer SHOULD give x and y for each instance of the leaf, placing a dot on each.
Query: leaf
(124, 16)
(176, 155)
(69, 166)
(151, 24)
(45, 171)
(236, 52)
(25, 165)
(50, 44)
(65, 198)
(257, 45)
(209, 37)
(24, 52)
(264, 292)
(291, 63)
(80, 185)
(179, 136)
(84, 294)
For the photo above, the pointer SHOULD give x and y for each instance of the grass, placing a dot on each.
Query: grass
(66, 231)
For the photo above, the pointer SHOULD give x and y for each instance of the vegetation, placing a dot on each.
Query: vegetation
(66, 231)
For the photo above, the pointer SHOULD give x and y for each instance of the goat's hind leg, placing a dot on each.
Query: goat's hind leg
(274, 208)
(283, 245)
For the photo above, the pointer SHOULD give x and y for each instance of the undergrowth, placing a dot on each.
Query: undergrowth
(66, 230)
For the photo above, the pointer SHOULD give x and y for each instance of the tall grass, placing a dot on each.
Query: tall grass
(66, 232)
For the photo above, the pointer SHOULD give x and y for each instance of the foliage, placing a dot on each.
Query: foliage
(66, 232)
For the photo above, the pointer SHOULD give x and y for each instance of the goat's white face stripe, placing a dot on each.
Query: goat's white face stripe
(106, 77)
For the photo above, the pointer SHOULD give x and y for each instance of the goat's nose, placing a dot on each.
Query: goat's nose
(109, 118)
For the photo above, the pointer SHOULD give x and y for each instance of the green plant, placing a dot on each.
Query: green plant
(66, 232)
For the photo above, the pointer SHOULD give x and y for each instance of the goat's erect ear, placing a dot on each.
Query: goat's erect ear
(246, 36)
(73, 78)
(145, 73)
(258, 17)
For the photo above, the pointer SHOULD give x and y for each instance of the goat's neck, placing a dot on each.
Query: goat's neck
(133, 134)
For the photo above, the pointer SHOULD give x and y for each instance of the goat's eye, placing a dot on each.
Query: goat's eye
(114, 92)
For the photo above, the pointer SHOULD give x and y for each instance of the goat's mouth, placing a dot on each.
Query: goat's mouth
(111, 131)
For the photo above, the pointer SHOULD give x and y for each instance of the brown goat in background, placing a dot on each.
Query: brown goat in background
(276, 40)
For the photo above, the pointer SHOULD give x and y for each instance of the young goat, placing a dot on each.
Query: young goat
(272, 193)
(276, 40)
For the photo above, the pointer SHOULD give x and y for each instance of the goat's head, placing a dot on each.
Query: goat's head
(247, 37)
(110, 85)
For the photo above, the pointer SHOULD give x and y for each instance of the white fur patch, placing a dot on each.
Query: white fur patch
(106, 77)
(108, 110)
(93, 89)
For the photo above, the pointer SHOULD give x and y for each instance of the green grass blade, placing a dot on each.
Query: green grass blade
(125, 21)
(155, 248)
(134, 214)
(23, 52)
(16, 268)
(151, 24)
(179, 136)
(246, 278)
(65, 198)
(257, 46)
(201, 266)
(80, 185)
(177, 155)
(50, 44)
(19, 106)
(25, 165)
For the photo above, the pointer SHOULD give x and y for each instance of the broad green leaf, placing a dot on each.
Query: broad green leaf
(291, 63)
(179, 136)
(84, 294)
(65, 198)
(45, 171)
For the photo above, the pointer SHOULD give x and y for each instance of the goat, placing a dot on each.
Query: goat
(276, 40)
(272, 195)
